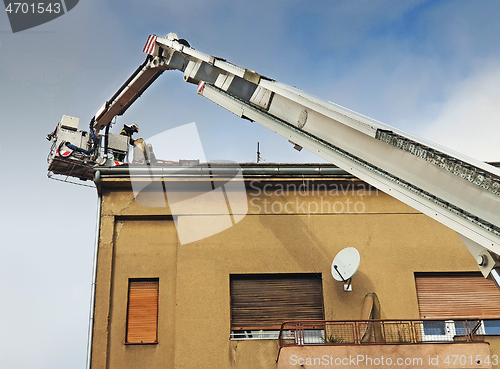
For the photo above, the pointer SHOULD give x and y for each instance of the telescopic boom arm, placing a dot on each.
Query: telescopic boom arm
(459, 192)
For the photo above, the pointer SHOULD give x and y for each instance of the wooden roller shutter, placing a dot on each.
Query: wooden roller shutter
(142, 314)
(265, 301)
(457, 296)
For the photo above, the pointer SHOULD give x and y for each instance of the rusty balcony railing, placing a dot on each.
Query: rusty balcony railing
(359, 332)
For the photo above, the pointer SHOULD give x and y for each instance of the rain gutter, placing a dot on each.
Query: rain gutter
(253, 171)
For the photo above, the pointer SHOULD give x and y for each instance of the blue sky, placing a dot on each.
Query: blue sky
(430, 68)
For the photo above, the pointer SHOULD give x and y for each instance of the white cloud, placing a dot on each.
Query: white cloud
(469, 121)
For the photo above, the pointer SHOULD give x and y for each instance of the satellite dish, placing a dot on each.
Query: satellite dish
(345, 264)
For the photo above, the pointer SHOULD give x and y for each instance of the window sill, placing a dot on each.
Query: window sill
(140, 343)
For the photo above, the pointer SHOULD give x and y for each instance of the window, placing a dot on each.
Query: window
(447, 330)
(142, 311)
(453, 297)
(491, 327)
(260, 303)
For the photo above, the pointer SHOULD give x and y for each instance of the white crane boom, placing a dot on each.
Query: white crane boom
(458, 191)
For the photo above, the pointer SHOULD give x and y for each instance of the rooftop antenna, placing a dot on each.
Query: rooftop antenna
(258, 152)
(345, 265)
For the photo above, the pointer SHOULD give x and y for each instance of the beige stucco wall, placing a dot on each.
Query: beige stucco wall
(285, 231)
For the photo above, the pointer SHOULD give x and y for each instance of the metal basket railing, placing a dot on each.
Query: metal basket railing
(358, 332)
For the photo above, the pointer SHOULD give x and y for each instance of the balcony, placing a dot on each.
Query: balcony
(378, 343)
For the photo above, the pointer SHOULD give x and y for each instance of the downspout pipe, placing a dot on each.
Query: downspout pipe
(94, 279)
